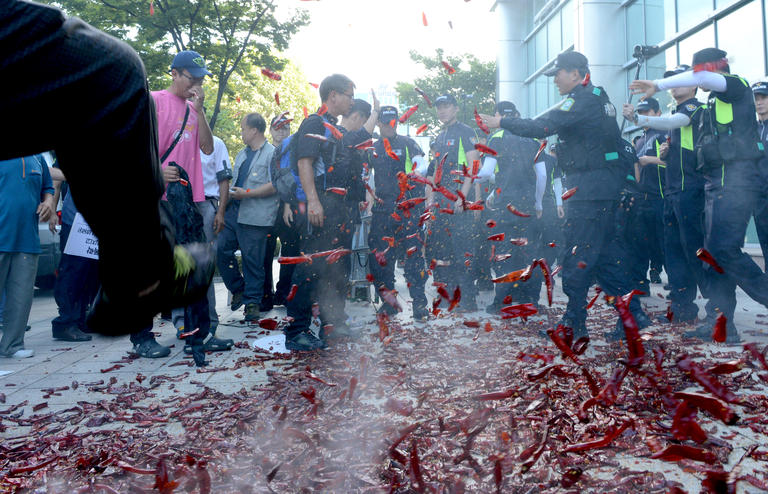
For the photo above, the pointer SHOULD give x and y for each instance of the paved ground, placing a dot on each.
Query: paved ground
(30, 387)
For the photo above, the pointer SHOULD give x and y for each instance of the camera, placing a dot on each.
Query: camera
(645, 51)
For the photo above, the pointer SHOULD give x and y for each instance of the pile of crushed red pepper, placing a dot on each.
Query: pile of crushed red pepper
(457, 405)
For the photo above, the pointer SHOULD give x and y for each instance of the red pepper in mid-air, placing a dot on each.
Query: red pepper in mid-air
(272, 75)
(547, 278)
(410, 203)
(448, 67)
(277, 98)
(632, 332)
(481, 125)
(405, 116)
(594, 299)
(294, 260)
(684, 425)
(709, 404)
(509, 277)
(705, 256)
(719, 332)
(381, 257)
(321, 111)
(337, 190)
(490, 224)
(411, 251)
(541, 150)
(677, 452)
(707, 381)
(388, 149)
(517, 212)
(482, 148)
(519, 241)
(317, 137)
(586, 79)
(292, 293)
(519, 310)
(423, 95)
(455, 300)
(568, 193)
(498, 237)
(336, 133)
(422, 128)
(365, 145)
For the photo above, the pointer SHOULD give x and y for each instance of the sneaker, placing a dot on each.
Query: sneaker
(23, 353)
(187, 281)
(237, 301)
(151, 349)
(304, 342)
(252, 312)
(71, 333)
(213, 344)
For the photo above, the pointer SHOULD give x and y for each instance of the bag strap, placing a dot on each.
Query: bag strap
(178, 136)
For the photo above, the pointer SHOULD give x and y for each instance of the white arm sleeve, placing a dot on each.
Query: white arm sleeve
(666, 122)
(541, 183)
(487, 170)
(421, 165)
(711, 81)
(557, 186)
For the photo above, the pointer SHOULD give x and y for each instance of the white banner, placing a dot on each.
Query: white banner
(82, 242)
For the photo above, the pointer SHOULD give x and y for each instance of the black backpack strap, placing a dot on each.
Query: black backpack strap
(178, 137)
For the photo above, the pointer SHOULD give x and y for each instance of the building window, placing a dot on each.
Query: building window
(737, 35)
(690, 45)
(541, 47)
(568, 15)
(691, 12)
(554, 36)
(633, 16)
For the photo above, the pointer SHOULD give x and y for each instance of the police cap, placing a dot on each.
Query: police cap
(569, 60)
(677, 70)
(387, 114)
(708, 55)
(446, 99)
(506, 109)
(760, 88)
(648, 104)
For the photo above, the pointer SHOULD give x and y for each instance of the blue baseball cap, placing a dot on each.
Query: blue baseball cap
(192, 61)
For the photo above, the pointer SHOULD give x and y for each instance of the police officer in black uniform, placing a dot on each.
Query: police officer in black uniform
(729, 154)
(402, 239)
(515, 184)
(588, 152)
(323, 167)
(453, 235)
(760, 91)
(683, 199)
(647, 222)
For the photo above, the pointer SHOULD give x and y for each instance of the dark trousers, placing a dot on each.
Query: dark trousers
(454, 236)
(646, 239)
(252, 241)
(598, 253)
(289, 247)
(727, 212)
(383, 225)
(683, 236)
(521, 256)
(760, 214)
(100, 84)
(319, 282)
(76, 285)
(551, 232)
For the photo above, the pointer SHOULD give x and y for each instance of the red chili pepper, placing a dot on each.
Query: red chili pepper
(337, 254)
(568, 193)
(294, 260)
(336, 133)
(586, 80)
(720, 331)
(448, 67)
(455, 300)
(31, 468)
(282, 123)
(442, 291)
(272, 75)
(411, 251)
(509, 277)
(416, 475)
(533, 452)
(684, 425)
(757, 354)
(337, 190)
(498, 237)
(519, 310)
(183, 182)
(110, 369)
(602, 442)
(292, 293)
(188, 333)
(485, 149)
(322, 110)
(711, 66)
(306, 111)
(439, 171)
(475, 206)
(541, 150)
(405, 116)
(388, 149)
(570, 477)
(423, 95)
(383, 321)
(709, 404)
(594, 299)
(447, 193)
(519, 241)
(547, 278)
(422, 128)
(424, 19)
(481, 125)
(497, 395)
(365, 145)
(517, 212)
(203, 478)
(424, 217)
(706, 380)
(727, 367)
(277, 98)
(490, 224)
(677, 452)
(705, 256)
(390, 297)
(410, 203)
(632, 332)
(669, 315)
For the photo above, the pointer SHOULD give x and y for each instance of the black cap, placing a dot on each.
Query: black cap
(677, 70)
(569, 60)
(648, 104)
(506, 109)
(387, 114)
(760, 88)
(446, 99)
(708, 55)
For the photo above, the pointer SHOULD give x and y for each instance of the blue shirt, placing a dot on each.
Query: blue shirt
(23, 184)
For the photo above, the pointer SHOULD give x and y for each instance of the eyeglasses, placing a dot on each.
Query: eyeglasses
(194, 80)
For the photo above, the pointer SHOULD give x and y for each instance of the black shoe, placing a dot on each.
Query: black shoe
(304, 342)
(267, 303)
(579, 328)
(151, 349)
(213, 345)
(186, 281)
(252, 312)
(279, 300)
(420, 313)
(237, 301)
(71, 333)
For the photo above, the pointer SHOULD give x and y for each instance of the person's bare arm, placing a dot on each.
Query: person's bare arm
(307, 177)
(57, 175)
(370, 124)
(263, 190)
(204, 130)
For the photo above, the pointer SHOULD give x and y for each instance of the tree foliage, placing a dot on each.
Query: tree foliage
(232, 35)
(473, 84)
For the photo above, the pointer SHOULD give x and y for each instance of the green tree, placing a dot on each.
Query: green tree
(473, 84)
(232, 35)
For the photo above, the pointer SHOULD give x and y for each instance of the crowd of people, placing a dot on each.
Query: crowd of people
(483, 202)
